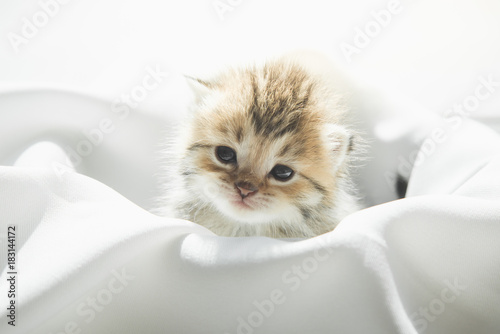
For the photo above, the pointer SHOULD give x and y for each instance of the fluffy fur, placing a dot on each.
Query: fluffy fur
(275, 114)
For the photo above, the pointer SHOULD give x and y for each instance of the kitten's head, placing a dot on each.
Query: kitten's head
(266, 145)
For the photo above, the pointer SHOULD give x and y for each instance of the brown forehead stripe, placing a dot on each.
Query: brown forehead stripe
(280, 94)
(239, 134)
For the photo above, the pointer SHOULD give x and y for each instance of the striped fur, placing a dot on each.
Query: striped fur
(275, 114)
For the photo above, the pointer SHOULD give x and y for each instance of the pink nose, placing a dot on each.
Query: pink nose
(246, 189)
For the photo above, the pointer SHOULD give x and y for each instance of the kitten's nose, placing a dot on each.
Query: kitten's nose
(246, 189)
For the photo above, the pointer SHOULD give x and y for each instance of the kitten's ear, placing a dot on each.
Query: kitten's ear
(199, 88)
(340, 142)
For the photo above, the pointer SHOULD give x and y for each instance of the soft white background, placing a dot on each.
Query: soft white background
(431, 52)
(387, 261)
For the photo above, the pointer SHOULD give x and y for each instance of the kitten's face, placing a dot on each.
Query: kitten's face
(259, 151)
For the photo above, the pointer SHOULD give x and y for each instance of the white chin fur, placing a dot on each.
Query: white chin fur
(257, 215)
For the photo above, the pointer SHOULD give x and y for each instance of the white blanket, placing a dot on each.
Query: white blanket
(89, 260)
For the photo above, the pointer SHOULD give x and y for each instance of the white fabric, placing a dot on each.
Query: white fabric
(91, 261)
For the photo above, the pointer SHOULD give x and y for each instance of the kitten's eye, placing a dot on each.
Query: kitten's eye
(226, 154)
(282, 173)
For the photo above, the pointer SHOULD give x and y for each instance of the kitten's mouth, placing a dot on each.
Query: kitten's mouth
(241, 203)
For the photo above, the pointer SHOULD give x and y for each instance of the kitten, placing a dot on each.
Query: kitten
(266, 153)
